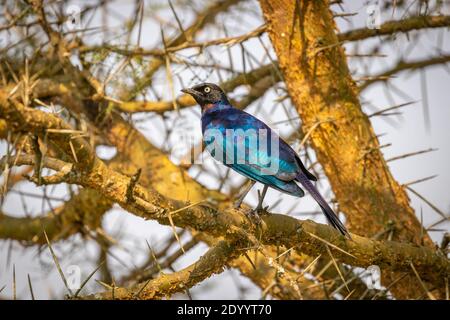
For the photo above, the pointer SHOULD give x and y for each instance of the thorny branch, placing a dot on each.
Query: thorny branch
(304, 236)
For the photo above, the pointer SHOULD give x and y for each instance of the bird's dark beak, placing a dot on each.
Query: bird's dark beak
(192, 92)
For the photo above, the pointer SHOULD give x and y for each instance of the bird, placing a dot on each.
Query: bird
(220, 121)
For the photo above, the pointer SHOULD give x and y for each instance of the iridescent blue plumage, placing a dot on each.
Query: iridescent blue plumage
(219, 119)
(264, 158)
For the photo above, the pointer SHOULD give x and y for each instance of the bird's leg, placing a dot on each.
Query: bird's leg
(261, 196)
(253, 214)
(249, 185)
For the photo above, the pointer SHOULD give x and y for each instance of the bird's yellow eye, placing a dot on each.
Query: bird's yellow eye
(207, 89)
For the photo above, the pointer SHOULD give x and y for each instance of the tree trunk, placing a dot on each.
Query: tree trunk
(318, 80)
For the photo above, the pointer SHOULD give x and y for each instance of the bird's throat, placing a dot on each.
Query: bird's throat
(207, 107)
(213, 107)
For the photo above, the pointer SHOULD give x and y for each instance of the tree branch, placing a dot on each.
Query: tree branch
(83, 210)
(305, 236)
(203, 18)
(212, 262)
(391, 27)
(228, 41)
(404, 66)
(185, 100)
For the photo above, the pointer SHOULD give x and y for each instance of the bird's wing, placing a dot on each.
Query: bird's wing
(287, 155)
(255, 149)
(289, 187)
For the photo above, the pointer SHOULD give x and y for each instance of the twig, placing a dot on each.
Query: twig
(429, 294)
(30, 287)
(58, 267)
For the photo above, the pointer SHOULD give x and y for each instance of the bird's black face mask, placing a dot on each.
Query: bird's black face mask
(206, 93)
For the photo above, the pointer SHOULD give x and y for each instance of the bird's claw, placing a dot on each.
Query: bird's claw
(260, 210)
(253, 216)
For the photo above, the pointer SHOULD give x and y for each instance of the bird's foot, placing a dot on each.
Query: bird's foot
(237, 204)
(260, 210)
(254, 215)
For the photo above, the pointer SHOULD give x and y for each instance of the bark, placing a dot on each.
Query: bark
(318, 80)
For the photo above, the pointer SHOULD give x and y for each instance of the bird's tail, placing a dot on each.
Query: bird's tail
(329, 213)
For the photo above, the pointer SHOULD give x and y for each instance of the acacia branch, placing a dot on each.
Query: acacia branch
(305, 236)
(22, 119)
(387, 28)
(212, 262)
(203, 18)
(83, 211)
(404, 66)
(185, 100)
(228, 41)
(391, 27)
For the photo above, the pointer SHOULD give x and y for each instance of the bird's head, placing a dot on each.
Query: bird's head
(206, 94)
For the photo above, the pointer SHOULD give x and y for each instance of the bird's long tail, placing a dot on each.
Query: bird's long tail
(332, 218)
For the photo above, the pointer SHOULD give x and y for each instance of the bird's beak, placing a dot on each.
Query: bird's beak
(192, 92)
